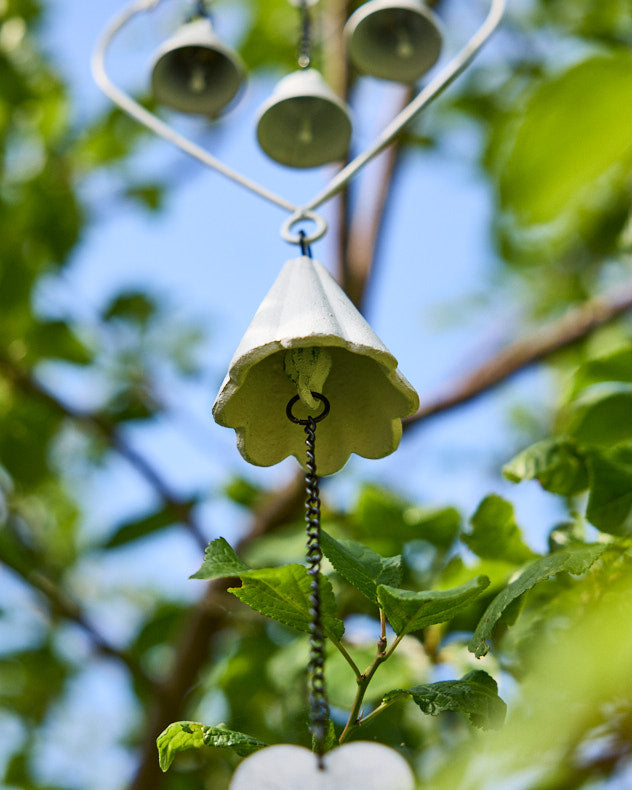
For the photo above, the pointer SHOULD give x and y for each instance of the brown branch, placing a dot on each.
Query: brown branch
(368, 221)
(337, 74)
(578, 323)
(29, 385)
(63, 605)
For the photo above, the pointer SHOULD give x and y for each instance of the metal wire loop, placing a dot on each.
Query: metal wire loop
(300, 216)
(318, 418)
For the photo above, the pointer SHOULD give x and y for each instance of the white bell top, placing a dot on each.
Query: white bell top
(306, 308)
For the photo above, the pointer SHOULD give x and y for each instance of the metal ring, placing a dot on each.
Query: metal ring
(321, 416)
(299, 216)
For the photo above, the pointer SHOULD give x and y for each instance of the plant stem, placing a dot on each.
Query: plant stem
(392, 648)
(348, 659)
(380, 709)
(363, 681)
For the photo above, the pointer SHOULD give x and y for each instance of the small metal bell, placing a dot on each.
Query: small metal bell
(308, 338)
(304, 123)
(395, 40)
(194, 72)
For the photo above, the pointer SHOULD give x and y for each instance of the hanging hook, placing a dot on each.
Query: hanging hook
(319, 396)
(305, 248)
(201, 10)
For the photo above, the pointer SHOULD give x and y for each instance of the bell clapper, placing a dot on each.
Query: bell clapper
(197, 80)
(404, 47)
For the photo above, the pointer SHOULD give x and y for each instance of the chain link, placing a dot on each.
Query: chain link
(318, 705)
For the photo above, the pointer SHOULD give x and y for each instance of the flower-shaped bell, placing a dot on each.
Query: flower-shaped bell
(307, 337)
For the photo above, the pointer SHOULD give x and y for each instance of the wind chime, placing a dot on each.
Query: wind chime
(309, 363)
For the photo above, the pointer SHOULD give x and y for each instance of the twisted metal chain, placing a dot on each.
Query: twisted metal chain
(319, 708)
(318, 705)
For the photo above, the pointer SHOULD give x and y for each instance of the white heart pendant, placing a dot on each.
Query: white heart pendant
(361, 765)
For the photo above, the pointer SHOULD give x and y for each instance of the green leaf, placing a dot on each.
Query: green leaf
(555, 463)
(220, 561)
(388, 519)
(475, 696)
(614, 366)
(602, 415)
(183, 735)
(362, 567)
(574, 559)
(495, 534)
(283, 594)
(409, 611)
(610, 501)
(149, 195)
(242, 491)
(56, 340)
(141, 527)
(574, 129)
(132, 306)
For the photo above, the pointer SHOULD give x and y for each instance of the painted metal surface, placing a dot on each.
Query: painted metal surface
(361, 765)
(306, 309)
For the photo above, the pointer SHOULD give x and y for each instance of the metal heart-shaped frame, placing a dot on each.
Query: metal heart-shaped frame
(297, 213)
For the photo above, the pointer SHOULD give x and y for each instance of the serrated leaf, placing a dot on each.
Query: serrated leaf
(602, 415)
(362, 567)
(283, 594)
(557, 464)
(610, 501)
(495, 534)
(475, 696)
(184, 735)
(574, 559)
(409, 611)
(220, 561)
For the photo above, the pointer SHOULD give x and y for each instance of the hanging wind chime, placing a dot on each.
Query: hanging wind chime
(310, 378)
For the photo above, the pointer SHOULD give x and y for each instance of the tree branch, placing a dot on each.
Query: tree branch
(368, 220)
(29, 385)
(62, 604)
(578, 323)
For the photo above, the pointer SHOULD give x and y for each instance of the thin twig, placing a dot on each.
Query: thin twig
(347, 657)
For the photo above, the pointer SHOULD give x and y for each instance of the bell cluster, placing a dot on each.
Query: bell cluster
(304, 123)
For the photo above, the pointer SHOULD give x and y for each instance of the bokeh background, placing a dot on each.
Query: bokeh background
(490, 250)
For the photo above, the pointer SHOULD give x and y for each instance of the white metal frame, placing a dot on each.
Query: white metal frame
(307, 211)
